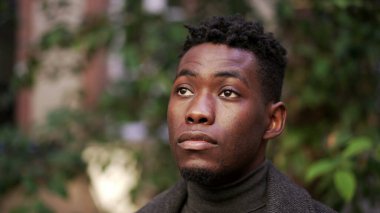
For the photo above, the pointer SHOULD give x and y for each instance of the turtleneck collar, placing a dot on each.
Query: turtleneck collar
(244, 195)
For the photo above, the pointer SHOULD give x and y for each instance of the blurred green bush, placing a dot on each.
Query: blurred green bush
(333, 96)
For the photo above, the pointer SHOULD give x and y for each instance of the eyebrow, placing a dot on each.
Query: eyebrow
(219, 74)
(186, 72)
(231, 74)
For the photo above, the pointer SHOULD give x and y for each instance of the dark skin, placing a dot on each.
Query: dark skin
(218, 119)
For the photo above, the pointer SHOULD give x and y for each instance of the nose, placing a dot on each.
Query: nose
(201, 111)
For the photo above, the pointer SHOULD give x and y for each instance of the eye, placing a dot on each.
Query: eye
(184, 92)
(228, 93)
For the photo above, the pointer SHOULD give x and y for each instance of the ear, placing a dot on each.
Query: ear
(276, 125)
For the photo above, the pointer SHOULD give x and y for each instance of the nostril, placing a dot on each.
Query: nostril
(203, 120)
(190, 120)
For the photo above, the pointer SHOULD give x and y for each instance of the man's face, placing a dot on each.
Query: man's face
(217, 116)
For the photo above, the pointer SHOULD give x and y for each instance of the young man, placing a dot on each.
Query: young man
(224, 107)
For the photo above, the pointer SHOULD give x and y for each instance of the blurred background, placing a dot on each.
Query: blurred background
(84, 87)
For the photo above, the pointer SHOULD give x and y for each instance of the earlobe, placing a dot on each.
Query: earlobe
(277, 113)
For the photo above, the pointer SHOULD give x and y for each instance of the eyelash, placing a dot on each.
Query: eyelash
(233, 92)
(181, 88)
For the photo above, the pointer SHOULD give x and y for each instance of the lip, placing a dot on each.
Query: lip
(196, 141)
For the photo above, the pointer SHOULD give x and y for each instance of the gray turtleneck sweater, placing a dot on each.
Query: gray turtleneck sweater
(277, 195)
(247, 193)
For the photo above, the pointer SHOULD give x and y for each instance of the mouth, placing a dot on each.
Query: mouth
(196, 141)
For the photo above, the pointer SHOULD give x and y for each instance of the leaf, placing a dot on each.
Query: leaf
(319, 168)
(57, 184)
(357, 146)
(345, 183)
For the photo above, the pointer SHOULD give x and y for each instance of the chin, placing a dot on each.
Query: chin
(201, 176)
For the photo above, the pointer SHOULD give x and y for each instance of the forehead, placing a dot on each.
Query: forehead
(217, 54)
(218, 57)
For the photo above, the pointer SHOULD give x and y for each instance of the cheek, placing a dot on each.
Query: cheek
(242, 129)
(242, 120)
(175, 116)
(172, 112)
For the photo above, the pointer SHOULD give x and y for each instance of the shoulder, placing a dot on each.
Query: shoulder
(170, 200)
(321, 208)
(285, 196)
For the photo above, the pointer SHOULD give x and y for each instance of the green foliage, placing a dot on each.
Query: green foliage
(96, 33)
(73, 127)
(356, 147)
(50, 157)
(332, 92)
(58, 36)
(25, 76)
(340, 168)
(345, 183)
(319, 168)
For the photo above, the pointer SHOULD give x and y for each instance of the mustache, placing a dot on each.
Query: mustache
(196, 136)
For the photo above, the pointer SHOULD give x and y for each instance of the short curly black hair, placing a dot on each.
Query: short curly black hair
(236, 32)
